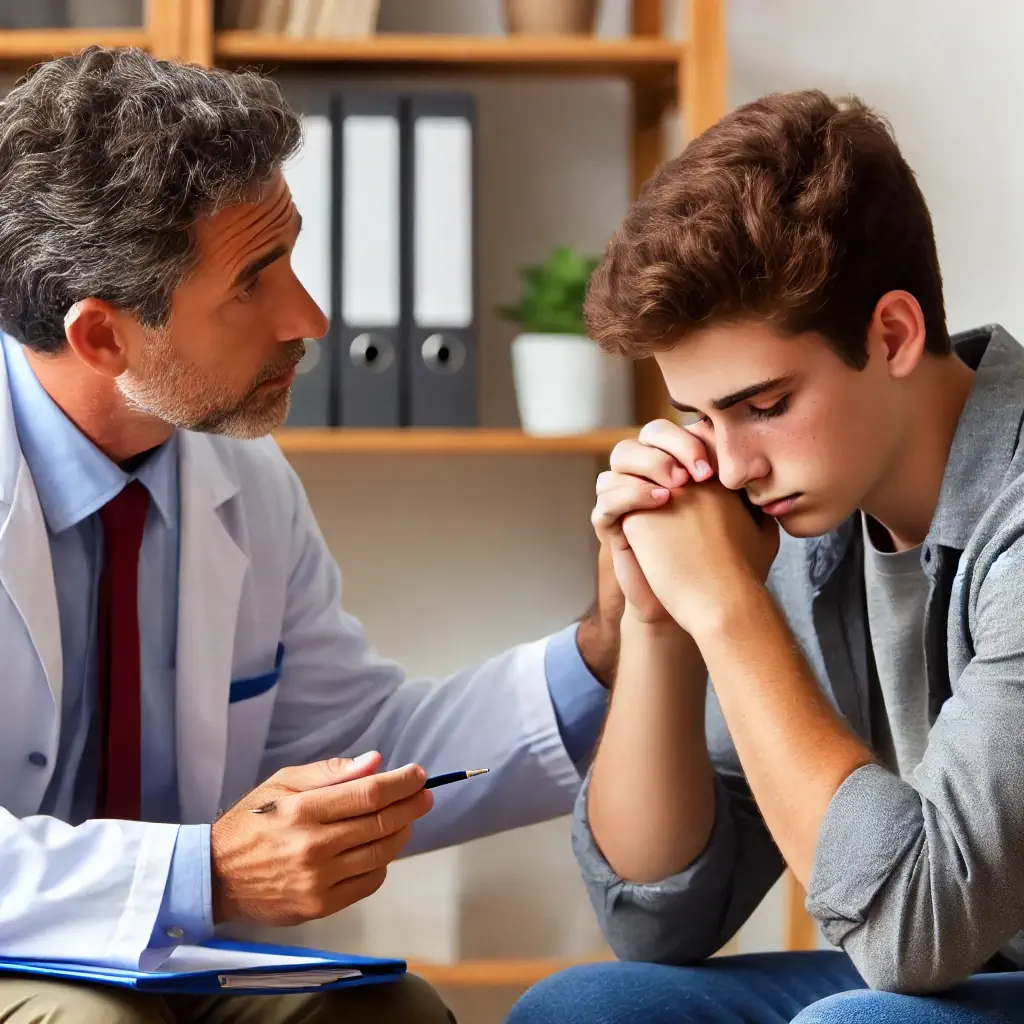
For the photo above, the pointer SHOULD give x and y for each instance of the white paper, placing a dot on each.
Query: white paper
(206, 958)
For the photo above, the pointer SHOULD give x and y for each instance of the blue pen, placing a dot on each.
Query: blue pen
(431, 783)
(443, 780)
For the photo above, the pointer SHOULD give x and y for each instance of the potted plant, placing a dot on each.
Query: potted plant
(564, 384)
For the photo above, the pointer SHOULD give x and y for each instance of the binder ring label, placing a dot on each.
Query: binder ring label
(443, 353)
(371, 352)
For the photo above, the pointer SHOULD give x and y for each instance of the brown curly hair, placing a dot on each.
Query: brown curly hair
(796, 210)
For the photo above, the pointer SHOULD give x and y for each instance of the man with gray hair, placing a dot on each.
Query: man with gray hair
(174, 650)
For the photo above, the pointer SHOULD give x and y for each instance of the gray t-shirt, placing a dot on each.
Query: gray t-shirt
(897, 592)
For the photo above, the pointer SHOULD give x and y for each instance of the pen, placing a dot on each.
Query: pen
(431, 783)
(443, 780)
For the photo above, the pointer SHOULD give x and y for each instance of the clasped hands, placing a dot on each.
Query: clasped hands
(682, 545)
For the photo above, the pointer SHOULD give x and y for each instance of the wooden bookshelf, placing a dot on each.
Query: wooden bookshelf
(469, 441)
(638, 59)
(688, 73)
(21, 48)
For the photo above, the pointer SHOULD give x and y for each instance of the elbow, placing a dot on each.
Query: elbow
(633, 936)
(908, 971)
(664, 954)
(911, 980)
(673, 954)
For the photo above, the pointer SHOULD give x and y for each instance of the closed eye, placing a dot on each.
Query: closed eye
(771, 411)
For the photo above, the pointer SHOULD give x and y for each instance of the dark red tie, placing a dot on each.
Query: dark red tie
(117, 621)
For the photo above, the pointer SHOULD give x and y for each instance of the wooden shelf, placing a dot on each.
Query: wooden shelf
(510, 973)
(483, 441)
(28, 46)
(635, 57)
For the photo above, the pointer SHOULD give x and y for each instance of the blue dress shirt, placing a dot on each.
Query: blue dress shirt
(74, 479)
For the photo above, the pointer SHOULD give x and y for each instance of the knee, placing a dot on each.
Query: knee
(409, 1000)
(615, 993)
(568, 997)
(418, 1001)
(79, 1004)
(861, 1006)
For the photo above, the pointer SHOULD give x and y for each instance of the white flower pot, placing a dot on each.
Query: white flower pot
(565, 384)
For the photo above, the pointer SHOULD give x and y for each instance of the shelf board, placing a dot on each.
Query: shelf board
(635, 57)
(28, 46)
(510, 973)
(484, 441)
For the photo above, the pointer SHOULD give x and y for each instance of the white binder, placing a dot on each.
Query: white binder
(440, 334)
(309, 177)
(367, 250)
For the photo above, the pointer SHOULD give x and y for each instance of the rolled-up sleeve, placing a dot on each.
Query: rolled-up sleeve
(921, 881)
(688, 916)
(580, 702)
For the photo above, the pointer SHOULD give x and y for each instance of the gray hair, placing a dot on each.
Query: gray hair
(107, 159)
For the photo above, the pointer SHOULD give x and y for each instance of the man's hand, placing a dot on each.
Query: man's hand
(598, 634)
(698, 552)
(642, 475)
(333, 828)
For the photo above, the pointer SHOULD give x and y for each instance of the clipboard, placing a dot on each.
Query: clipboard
(223, 966)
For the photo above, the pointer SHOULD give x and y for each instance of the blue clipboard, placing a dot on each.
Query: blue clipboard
(371, 971)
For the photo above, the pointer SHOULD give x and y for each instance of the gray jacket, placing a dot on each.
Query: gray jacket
(921, 881)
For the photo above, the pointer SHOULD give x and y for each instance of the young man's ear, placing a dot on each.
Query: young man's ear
(95, 331)
(897, 331)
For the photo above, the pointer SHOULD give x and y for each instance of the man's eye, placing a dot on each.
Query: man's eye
(772, 411)
(248, 291)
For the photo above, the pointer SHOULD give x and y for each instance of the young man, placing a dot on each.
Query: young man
(170, 621)
(864, 721)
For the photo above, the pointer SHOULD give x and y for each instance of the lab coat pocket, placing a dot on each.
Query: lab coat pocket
(254, 686)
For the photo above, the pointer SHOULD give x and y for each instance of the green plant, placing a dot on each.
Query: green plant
(552, 294)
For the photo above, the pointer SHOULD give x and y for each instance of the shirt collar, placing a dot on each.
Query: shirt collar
(983, 456)
(72, 476)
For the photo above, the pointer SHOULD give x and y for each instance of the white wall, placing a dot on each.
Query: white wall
(447, 559)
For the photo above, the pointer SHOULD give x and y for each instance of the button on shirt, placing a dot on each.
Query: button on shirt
(74, 479)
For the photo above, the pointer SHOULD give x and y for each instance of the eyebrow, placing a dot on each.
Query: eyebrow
(253, 267)
(721, 404)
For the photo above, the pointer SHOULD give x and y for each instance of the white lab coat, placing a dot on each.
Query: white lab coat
(254, 572)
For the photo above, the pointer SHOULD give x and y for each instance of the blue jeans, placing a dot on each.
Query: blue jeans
(766, 988)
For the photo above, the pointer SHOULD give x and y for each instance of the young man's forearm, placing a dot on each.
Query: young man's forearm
(651, 800)
(794, 748)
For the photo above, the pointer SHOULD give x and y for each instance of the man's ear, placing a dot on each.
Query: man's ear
(897, 332)
(96, 333)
